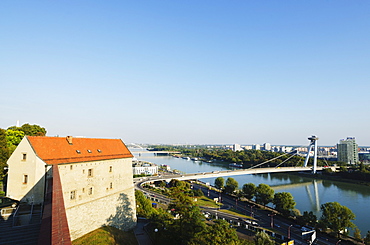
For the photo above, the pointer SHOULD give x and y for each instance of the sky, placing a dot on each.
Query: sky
(188, 72)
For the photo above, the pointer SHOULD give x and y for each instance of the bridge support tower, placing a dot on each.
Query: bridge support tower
(313, 144)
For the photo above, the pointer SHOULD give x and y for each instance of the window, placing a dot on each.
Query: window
(90, 191)
(71, 167)
(110, 169)
(89, 151)
(111, 185)
(90, 172)
(99, 150)
(73, 195)
(83, 190)
(78, 151)
(24, 156)
(25, 179)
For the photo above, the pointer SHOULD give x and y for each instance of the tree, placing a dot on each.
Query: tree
(143, 205)
(367, 238)
(189, 217)
(231, 185)
(261, 238)
(30, 130)
(219, 182)
(4, 153)
(249, 190)
(218, 234)
(308, 218)
(284, 202)
(357, 234)
(264, 194)
(336, 217)
(13, 138)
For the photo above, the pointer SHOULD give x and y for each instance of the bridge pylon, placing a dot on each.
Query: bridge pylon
(313, 144)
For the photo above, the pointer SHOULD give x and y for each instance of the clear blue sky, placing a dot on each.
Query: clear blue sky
(188, 71)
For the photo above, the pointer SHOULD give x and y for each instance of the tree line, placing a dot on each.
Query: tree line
(335, 216)
(182, 222)
(247, 158)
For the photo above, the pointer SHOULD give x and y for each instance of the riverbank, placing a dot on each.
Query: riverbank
(330, 177)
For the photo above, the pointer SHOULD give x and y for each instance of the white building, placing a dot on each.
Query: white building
(144, 168)
(90, 178)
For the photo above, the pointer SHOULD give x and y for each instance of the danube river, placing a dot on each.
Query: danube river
(308, 193)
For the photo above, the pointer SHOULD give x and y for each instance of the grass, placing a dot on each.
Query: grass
(107, 235)
(206, 202)
(234, 212)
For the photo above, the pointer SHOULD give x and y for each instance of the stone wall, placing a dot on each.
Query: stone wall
(98, 193)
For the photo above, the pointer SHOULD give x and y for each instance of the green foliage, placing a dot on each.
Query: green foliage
(30, 130)
(367, 238)
(284, 202)
(357, 234)
(264, 194)
(4, 153)
(218, 234)
(13, 138)
(178, 183)
(308, 218)
(231, 185)
(198, 193)
(249, 190)
(219, 182)
(189, 217)
(336, 217)
(143, 205)
(261, 238)
(246, 157)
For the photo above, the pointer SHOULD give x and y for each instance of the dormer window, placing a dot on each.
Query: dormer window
(78, 151)
(99, 150)
(89, 151)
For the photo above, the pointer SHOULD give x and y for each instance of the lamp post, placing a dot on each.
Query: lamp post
(289, 231)
(272, 219)
(252, 211)
(155, 235)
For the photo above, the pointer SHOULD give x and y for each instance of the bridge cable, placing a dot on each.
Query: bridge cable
(286, 160)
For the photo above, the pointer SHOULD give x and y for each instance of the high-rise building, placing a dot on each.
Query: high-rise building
(267, 146)
(348, 150)
(237, 147)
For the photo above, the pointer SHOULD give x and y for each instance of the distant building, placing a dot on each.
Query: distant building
(267, 146)
(256, 147)
(146, 168)
(364, 157)
(348, 150)
(236, 147)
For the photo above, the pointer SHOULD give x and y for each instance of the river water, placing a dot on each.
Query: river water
(308, 193)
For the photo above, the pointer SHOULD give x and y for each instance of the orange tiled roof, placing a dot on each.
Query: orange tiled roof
(57, 150)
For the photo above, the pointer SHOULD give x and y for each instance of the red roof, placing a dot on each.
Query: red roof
(57, 150)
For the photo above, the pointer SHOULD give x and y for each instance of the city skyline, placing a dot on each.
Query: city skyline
(196, 72)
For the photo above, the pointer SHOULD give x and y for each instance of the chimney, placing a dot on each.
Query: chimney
(69, 139)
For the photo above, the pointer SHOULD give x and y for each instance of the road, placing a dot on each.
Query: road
(260, 218)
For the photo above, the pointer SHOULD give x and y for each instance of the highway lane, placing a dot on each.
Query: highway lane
(261, 217)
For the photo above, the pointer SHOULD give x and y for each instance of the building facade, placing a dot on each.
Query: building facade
(95, 176)
(347, 151)
(144, 168)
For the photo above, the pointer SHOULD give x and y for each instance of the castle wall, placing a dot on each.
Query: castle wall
(98, 193)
